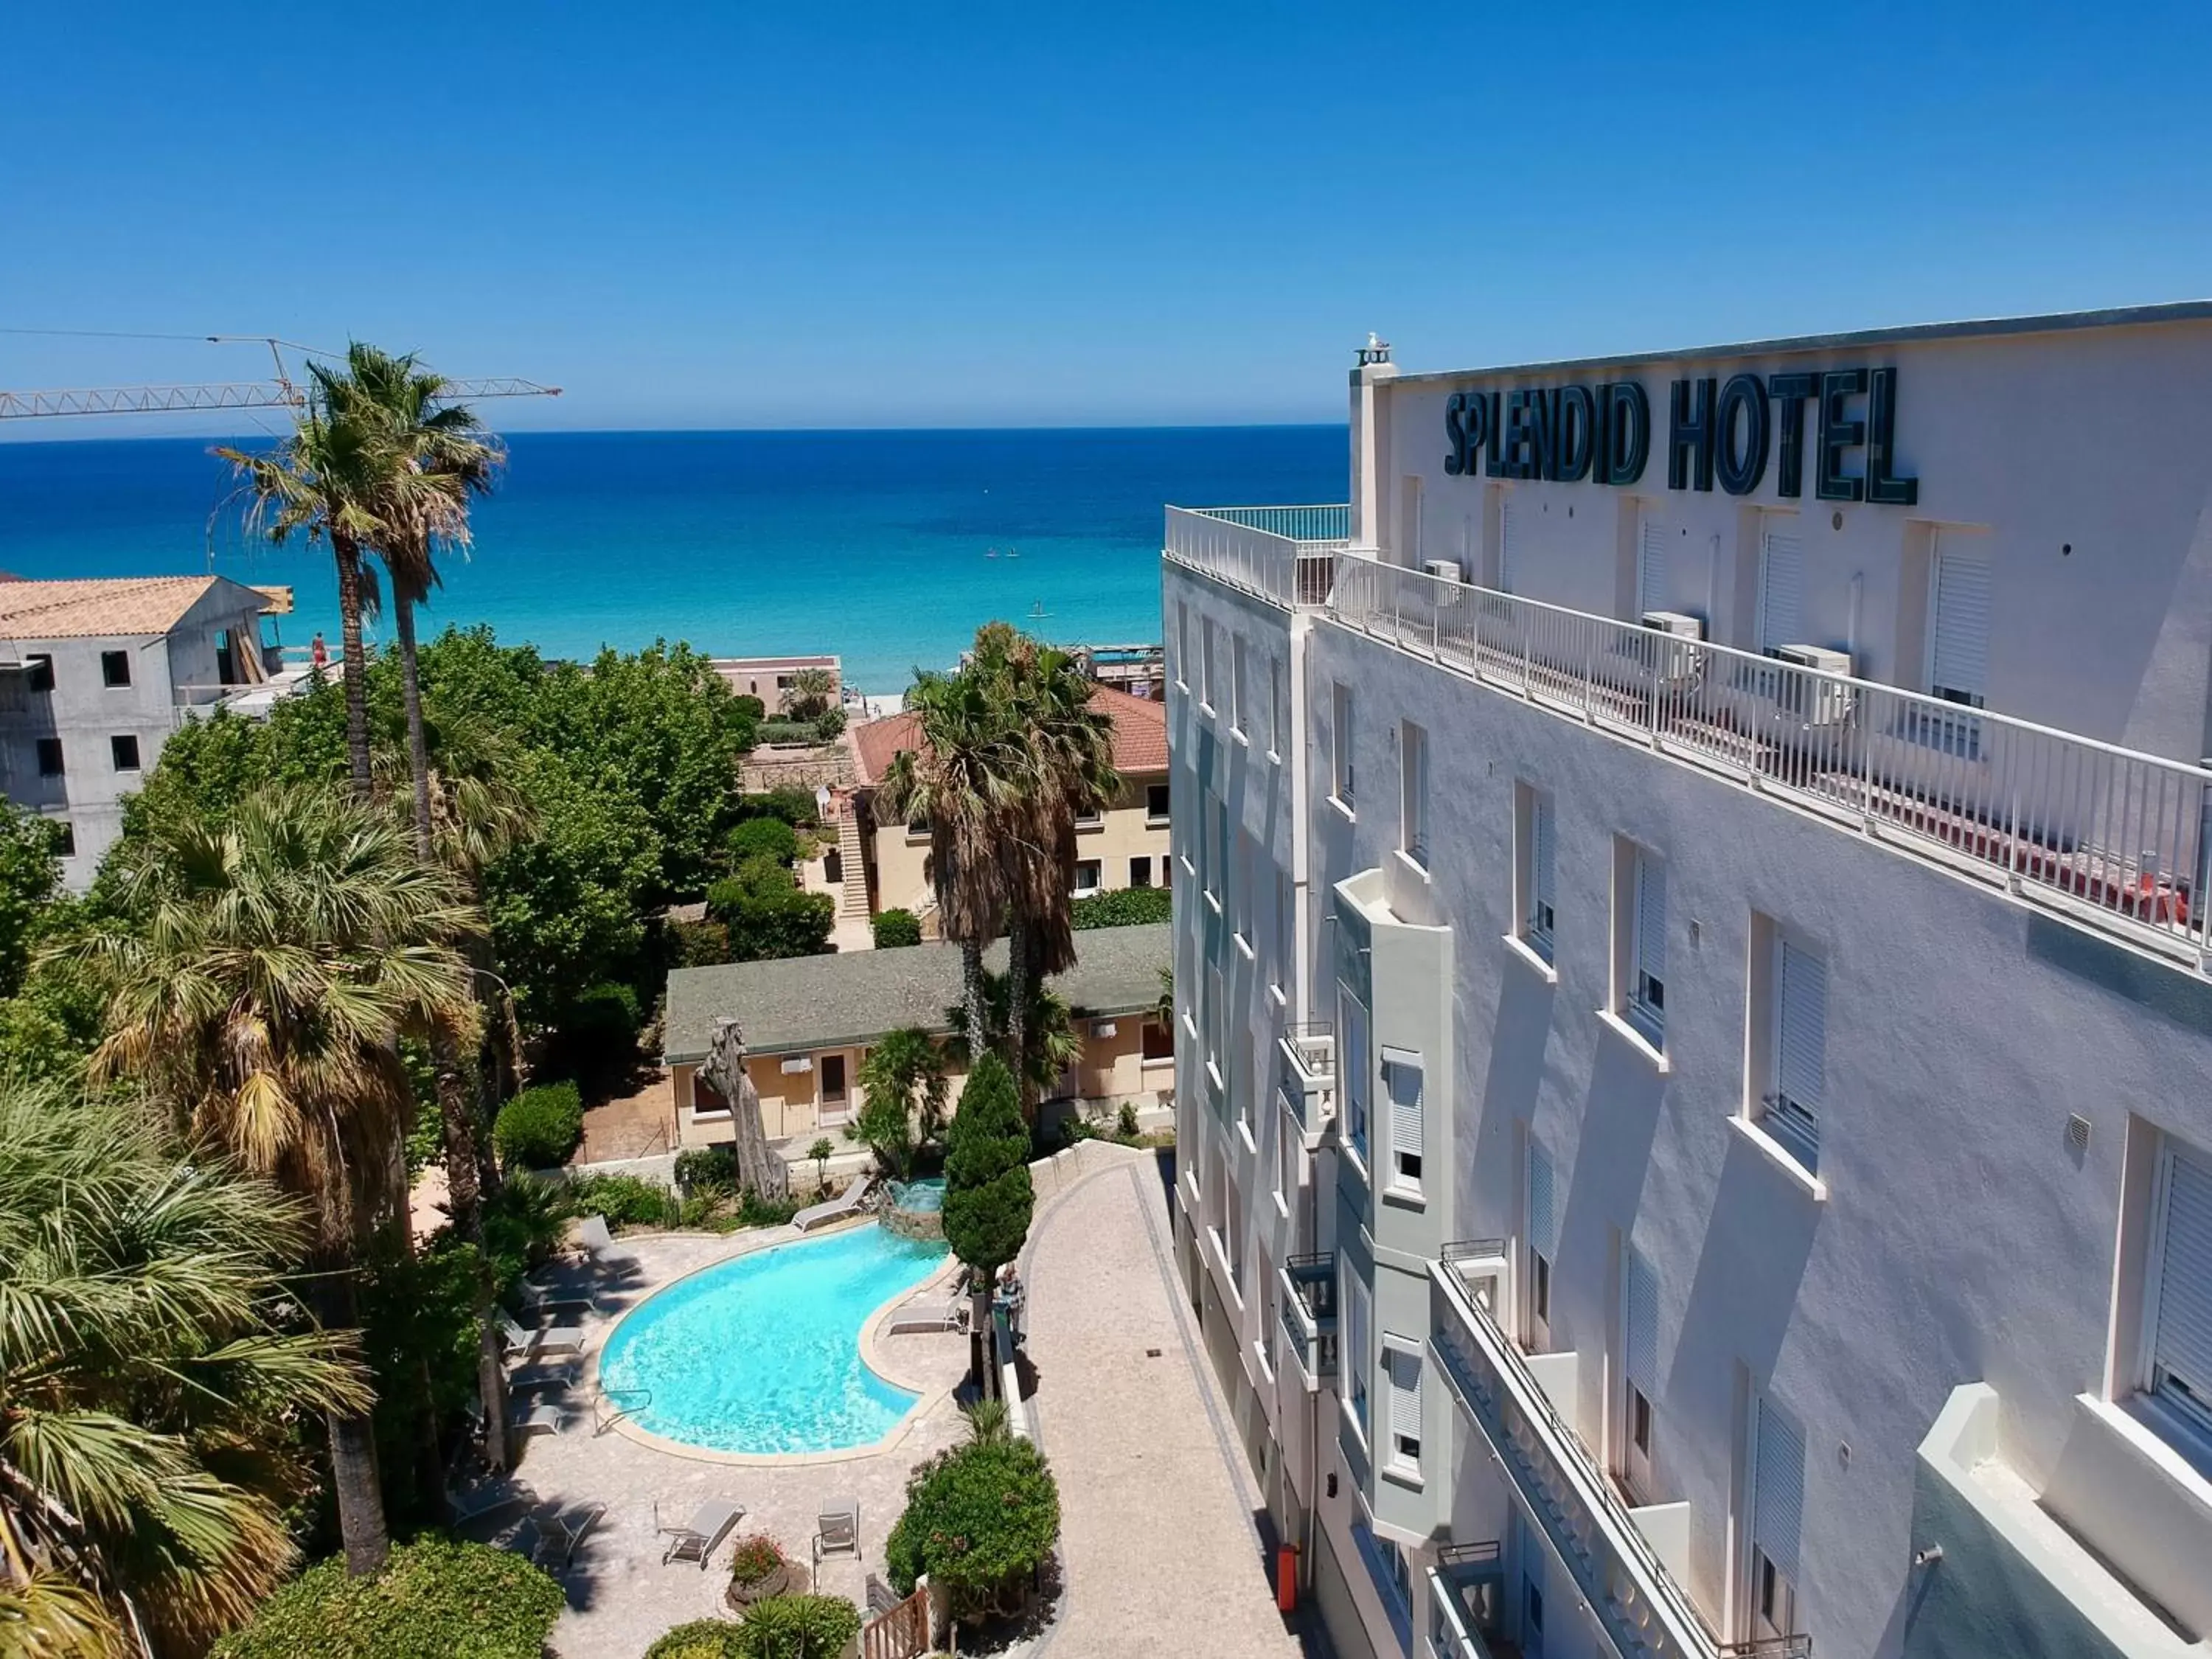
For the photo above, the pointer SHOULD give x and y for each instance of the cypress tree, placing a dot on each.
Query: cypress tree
(988, 1199)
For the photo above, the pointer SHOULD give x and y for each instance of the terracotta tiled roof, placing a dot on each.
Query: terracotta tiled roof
(90, 607)
(1140, 736)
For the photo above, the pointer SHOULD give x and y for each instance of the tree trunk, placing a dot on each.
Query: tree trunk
(355, 1479)
(759, 1169)
(971, 996)
(457, 1108)
(353, 659)
(411, 692)
(1021, 976)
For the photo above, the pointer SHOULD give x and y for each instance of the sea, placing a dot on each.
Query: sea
(887, 549)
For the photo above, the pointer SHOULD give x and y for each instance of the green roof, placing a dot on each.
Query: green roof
(849, 999)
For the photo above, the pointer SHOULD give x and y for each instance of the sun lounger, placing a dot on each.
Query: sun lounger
(559, 1538)
(850, 1202)
(550, 1339)
(837, 1531)
(544, 1298)
(536, 1416)
(917, 1322)
(559, 1374)
(493, 1498)
(598, 1244)
(698, 1539)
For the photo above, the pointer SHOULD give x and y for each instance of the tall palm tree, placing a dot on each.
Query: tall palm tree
(962, 776)
(146, 1379)
(260, 992)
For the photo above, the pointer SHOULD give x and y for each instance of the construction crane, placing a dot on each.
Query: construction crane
(278, 393)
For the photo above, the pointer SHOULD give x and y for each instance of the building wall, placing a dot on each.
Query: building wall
(1124, 832)
(1960, 1237)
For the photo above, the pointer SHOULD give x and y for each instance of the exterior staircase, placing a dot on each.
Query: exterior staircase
(855, 901)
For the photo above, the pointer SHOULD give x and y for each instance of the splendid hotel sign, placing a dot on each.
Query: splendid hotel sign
(1726, 431)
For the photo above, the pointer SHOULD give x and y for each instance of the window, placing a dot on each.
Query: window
(1243, 905)
(1392, 1575)
(1352, 1022)
(1217, 1014)
(1777, 1506)
(1090, 817)
(1087, 877)
(1537, 896)
(1240, 713)
(1781, 585)
(41, 669)
(115, 668)
(1340, 741)
(1402, 1082)
(1207, 686)
(1413, 793)
(1799, 1048)
(1140, 872)
(67, 846)
(1645, 987)
(2178, 1320)
(1543, 1245)
(1639, 1367)
(1156, 1041)
(126, 752)
(1286, 931)
(1288, 1137)
(1651, 564)
(1278, 711)
(1401, 1361)
(831, 1073)
(1958, 641)
(1182, 646)
(1156, 803)
(50, 757)
(1232, 1235)
(1358, 1355)
(1216, 850)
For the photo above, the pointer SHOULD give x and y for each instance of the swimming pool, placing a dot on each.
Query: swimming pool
(763, 1354)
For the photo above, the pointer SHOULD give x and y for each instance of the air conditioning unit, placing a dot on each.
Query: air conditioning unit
(1446, 569)
(803, 1063)
(1675, 657)
(1814, 703)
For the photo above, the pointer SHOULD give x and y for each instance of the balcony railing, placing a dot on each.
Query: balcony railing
(1466, 1593)
(1307, 1310)
(1644, 1609)
(2106, 834)
(1311, 1048)
(1286, 554)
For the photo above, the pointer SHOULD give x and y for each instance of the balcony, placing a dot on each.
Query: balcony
(1467, 1594)
(1285, 555)
(2108, 836)
(1307, 1310)
(1635, 1594)
(1308, 1087)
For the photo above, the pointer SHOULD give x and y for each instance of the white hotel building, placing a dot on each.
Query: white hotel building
(1695, 1093)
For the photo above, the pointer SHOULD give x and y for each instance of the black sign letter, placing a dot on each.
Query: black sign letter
(1690, 434)
(1839, 434)
(1631, 445)
(1790, 393)
(1883, 485)
(1571, 441)
(1741, 468)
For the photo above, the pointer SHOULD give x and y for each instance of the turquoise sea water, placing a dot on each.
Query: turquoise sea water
(874, 545)
(763, 1354)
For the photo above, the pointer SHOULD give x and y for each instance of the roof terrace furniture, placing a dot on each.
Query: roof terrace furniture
(560, 1537)
(850, 1202)
(536, 1416)
(600, 1244)
(550, 1339)
(698, 1539)
(836, 1532)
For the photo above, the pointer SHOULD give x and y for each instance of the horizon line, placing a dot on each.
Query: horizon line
(26, 440)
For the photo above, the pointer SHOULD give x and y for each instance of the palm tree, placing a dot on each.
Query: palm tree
(962, 777)
(272, 966)
(809, 693)
(147, 1379)
(1053, 1044)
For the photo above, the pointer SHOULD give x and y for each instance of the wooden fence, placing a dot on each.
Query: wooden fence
(901, 1633)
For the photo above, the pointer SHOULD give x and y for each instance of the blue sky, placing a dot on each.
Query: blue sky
(866, 214)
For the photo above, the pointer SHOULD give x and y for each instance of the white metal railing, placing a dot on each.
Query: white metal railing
(1456, 1632)
(2102, 833)
(1286, 554)
(1644, 1608)
(1307, 1307)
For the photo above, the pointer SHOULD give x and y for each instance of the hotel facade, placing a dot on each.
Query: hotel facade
(1695, 1088)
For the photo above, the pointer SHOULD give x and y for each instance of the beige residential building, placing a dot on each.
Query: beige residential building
(769, 679)
(810, 1021)
(1125, 846)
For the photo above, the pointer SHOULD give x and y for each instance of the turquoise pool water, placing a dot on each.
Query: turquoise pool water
(927, 1194)
(763, 1354)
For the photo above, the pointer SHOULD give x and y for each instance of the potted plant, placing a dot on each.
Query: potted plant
(758, 1568)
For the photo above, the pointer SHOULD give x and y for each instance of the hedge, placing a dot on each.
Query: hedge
(763, 838)
(435, 1597)
(539, 1128)
(897, 927)
(775, 1627)
(1124, 907)
(607, 1012)
(980, 1519)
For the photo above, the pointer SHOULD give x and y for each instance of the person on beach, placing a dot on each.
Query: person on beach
(320, 653)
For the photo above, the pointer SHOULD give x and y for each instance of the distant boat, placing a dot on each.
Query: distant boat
(990, 552)
(1038, 613)
(1013, 552)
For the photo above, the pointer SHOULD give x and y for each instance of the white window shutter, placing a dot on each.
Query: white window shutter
(1651, 566)
(1781, 589)
(1401, 1075)
(1651, 916)
(1540, 821)
(1641, 1291)
(1802, 982)
(1778, 1502)
(1509, 545)
(1962, 629)
(1405, 1393)
(1543, 1216)
(2181, 1351)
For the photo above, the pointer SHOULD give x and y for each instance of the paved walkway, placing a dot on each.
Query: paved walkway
(1156, 1501)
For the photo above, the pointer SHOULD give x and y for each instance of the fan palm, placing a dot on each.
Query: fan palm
(964, 774)
(272, 966)
(148, 1383)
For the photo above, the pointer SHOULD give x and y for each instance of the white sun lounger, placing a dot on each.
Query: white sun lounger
(850, 1202)
(551, 1339)
(542, 1299)
(600, 1244)
(698, 1539)
(558, 1540)
(536, 1416)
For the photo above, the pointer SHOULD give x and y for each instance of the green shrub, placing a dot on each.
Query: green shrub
(703, 1639)
(797, 1627)
(757, 1212)
(787, 731)
(435, 1597)
(769, 838)
(770, 918)
(626, 1200)
(988, 1198)
(749, 706)
(539, 1128)
(754, 1556)
(795, 807)
(980, 1519)
(897, 927)
(606, 1014)
(829, 724)
(1124, 907)
(708, 1170)
(1125, 1125)
(699, 944)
